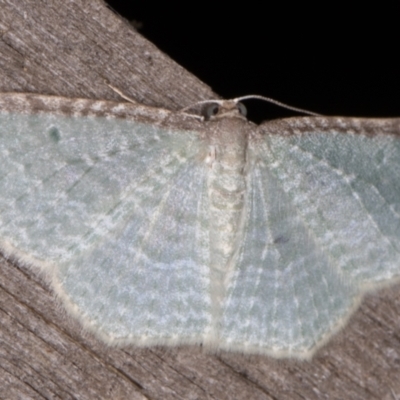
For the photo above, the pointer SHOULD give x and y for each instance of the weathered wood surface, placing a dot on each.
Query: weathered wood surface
(71, 48)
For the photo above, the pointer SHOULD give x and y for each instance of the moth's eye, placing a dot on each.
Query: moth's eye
(210, 110)
(242, 109)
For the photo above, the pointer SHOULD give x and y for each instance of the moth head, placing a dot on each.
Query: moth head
(224, 109)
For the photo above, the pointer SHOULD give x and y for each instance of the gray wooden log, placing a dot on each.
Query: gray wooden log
(72, 48)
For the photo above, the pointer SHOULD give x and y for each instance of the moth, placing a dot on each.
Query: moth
(157, 227)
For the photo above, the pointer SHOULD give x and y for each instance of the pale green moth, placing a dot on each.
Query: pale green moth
(157, 228)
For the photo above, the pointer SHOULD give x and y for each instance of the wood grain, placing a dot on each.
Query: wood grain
(72, 48)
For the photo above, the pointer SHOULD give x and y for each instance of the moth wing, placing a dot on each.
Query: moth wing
(321, 224)
(116, 211)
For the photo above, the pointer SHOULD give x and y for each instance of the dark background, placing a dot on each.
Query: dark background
(332, 60)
